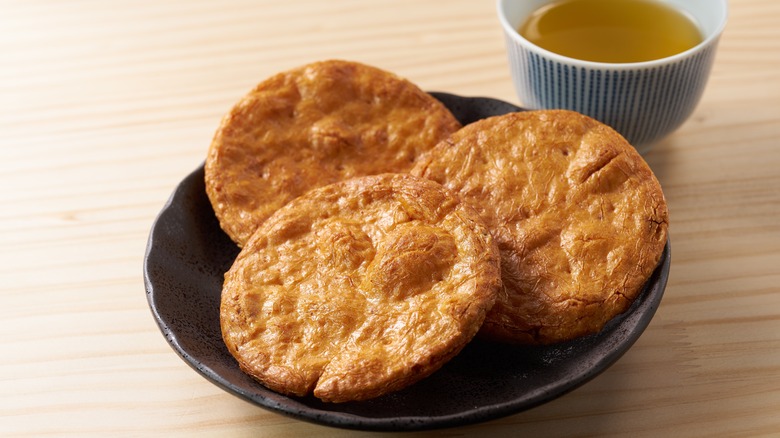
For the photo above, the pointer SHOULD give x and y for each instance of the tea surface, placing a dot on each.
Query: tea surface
(616, 31)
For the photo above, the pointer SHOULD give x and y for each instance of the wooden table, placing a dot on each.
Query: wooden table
(106, 106)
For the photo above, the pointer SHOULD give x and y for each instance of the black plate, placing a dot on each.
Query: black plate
(187, 255)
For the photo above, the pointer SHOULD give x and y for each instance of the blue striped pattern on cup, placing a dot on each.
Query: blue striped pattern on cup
(643, 104)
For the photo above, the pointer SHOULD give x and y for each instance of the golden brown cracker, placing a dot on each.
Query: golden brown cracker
(359, 288)
(311, 126)
(578, 215)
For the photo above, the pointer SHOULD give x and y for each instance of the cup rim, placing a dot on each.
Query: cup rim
(515, 35)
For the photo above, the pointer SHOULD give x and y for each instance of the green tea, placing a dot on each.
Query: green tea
(616, 31)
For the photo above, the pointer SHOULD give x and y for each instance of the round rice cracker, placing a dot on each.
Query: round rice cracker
(312, 126)
(359, 288)
(579, 218)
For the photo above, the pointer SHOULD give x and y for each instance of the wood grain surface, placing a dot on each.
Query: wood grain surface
(106, 106)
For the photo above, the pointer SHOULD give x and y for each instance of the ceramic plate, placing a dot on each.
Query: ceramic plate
(187, 255)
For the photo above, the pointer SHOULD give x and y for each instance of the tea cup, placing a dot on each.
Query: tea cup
(643, 101)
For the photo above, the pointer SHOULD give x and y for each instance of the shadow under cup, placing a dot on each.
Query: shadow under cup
(644, 101)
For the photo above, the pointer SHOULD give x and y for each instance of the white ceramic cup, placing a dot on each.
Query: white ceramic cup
(644, 101)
